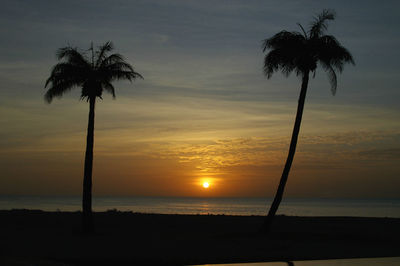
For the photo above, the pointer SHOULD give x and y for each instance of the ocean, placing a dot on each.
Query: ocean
(226, 206)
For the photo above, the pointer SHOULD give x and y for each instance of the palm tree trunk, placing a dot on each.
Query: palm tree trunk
(87, 217)
(289, 160)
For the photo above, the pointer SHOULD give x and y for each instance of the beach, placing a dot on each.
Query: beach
(126, 238)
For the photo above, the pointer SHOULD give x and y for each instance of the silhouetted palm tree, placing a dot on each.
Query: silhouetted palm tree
(93, 75)
(302, 53)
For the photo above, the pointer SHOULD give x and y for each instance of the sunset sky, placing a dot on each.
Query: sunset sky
(204, 112)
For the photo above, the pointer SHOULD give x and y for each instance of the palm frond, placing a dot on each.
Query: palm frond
(101, 53)
(129, 75)
(113, 58)
(319, 25)
(119, 65)
(331, 75)
(331, 52)
(109, 88)
(114, 67)
(59, 89)
(283, 39)
(278, 59)
(119, 70)
(64, 77)
(72, 56)
(303, 30)
(286, 51)
(66, 71)
(332, 56)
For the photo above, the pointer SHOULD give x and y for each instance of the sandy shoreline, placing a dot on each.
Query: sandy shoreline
(125, 238)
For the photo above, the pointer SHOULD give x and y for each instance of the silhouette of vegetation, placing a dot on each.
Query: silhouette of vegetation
(301, 52)
(94, 74)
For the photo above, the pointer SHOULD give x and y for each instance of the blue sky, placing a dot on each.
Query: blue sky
(203, 88)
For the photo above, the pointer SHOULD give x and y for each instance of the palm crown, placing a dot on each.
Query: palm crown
(94, 75)
(301, 52)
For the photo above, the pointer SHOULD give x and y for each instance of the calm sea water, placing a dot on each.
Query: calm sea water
(228, 206)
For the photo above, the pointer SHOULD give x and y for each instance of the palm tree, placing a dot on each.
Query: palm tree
(301, 52)
(93, 75)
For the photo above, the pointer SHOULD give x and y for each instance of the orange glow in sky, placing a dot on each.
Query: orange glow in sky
(201, 118)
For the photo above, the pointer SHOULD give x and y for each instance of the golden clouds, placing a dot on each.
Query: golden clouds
(171, 146)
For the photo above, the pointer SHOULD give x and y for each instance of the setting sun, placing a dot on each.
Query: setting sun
(206, 184)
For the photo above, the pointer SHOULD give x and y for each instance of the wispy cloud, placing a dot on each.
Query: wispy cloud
(204, 105)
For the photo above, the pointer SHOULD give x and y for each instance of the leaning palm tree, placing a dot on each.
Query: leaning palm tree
(302, 52)
(93, 74)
